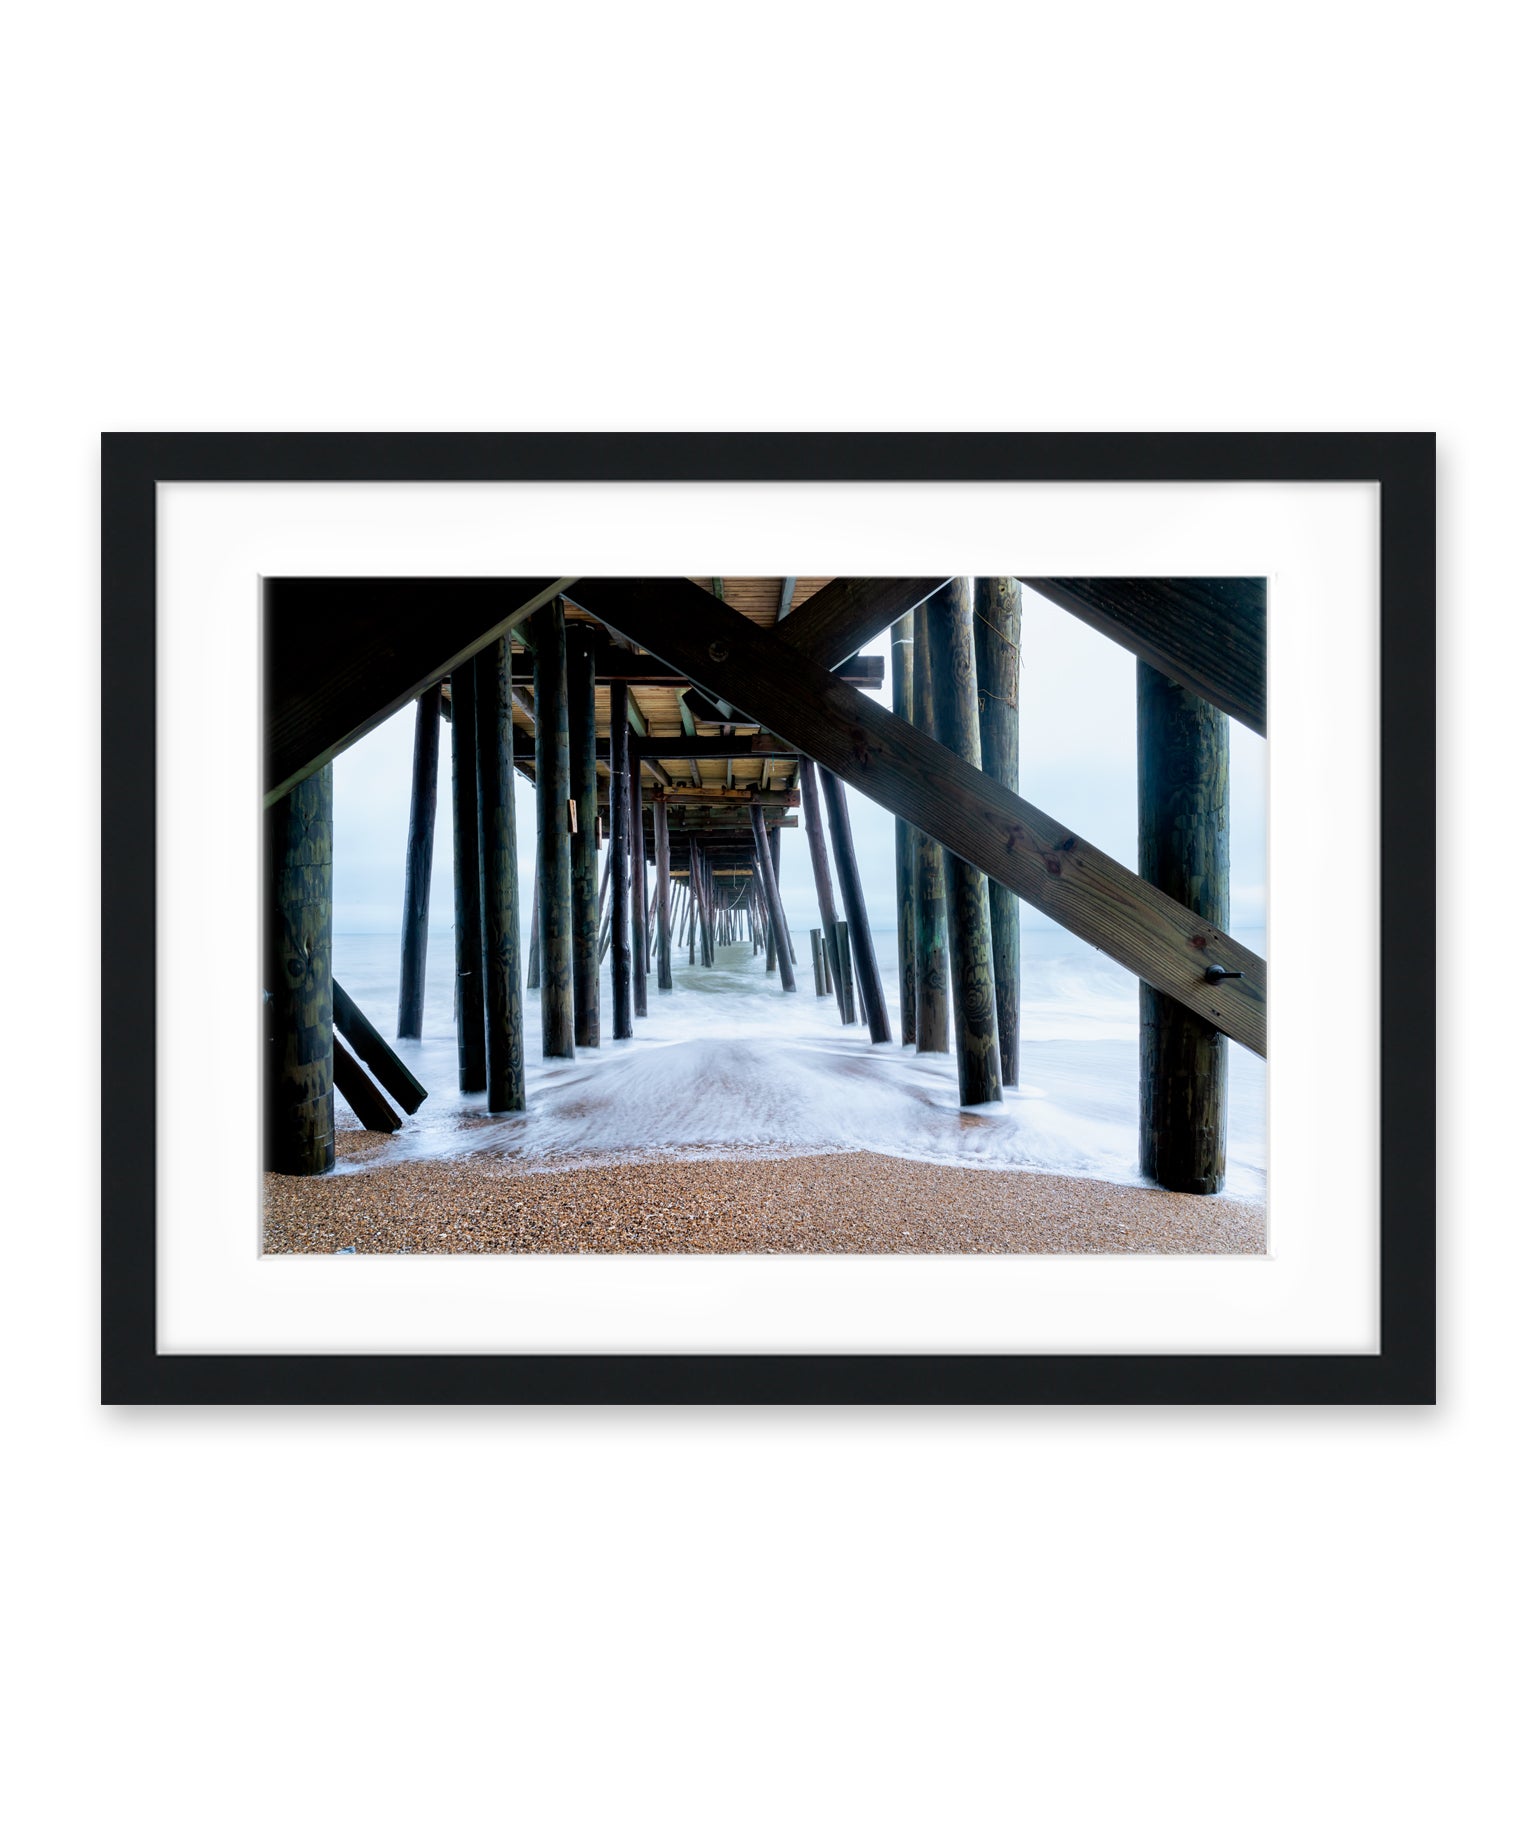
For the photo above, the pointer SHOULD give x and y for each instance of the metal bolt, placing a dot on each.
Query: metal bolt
(717, 651)
(1215, 976)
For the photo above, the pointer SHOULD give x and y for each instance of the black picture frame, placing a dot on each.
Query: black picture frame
(1403, 1371)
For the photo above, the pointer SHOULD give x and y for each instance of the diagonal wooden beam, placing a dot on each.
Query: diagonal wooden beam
(1207, 634)
(909, 774)
(345, 653)
(850, 611)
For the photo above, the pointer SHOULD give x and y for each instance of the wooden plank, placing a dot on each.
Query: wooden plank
(1207, 634)
(375, 1050)
(1036, 856)
(850, 611)
(359, 1091)
(342, 654)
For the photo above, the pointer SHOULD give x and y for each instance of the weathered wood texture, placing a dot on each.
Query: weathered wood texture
(620, 862)
(903, 837)
(300, 1126)
(1207, 634)
(822, 878)
(639, 958)
(582, 720)
(375, 1050)
(996, 605)
(931, 954)
(953, 662)
(342, 654)
(531, 978)
(862, 947)
(850, 611)
(469, 977)
(818, 980)
(546, 632)
(1182, 744)
(420, 829)
(1007, 838)
(779, 935)
(360, 1092)
(664, 852)
(499, 881)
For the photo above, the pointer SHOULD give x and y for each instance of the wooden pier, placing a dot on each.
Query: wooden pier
(678, 729)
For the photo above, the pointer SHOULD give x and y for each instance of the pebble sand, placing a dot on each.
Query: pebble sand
(843, 1203)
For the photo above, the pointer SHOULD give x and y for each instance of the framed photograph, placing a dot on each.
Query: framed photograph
(538, 969)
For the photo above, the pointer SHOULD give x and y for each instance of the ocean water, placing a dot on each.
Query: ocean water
(729, 1060)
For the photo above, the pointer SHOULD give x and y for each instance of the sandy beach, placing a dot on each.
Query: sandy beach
(843, 1203)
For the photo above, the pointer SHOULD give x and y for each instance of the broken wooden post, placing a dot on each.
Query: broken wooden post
(586, 901)
(903, 837)
(861, 946)
(663, 851)
(817, 846)
(996, 633)
(301, 1125)
(1182, 827)
(931, 960)
(619, 860)
(778, 934)
(546, 632)
(419, 866)
(359, 1091)
(499, 878)
(469, 987)
(953, 670)
(389, 1069)
(817, 974)
(639, 959)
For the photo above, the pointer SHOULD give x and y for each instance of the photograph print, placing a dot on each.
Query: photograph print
(749, 915)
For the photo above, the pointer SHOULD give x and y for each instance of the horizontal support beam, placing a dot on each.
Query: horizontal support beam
(912, 776)
(850, 611)
(1207, 634)
(342, 654)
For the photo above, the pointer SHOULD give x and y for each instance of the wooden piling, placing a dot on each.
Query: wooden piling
(775, 837)
(469, 984)
(931, 959)
(953, 667)
(817, 846)
(300, 1126)
(903, 836)
(1182, 746)
(581, 655)
(531, 981)
(861, 945)
(499, 878)
(546, 631)
(390, 1070)
(419, 866)
(664, 853)
(620, 863)
(639, 959)
(778, 934)
(996, 634)
(846, 971)
(817, 975)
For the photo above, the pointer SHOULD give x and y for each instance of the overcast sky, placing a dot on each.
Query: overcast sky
(1078, 761)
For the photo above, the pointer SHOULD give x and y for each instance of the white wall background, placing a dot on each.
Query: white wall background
(1086, 1626)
